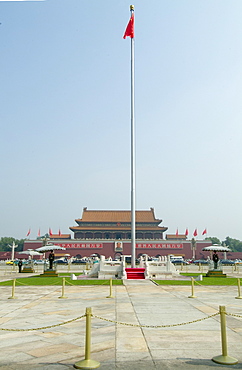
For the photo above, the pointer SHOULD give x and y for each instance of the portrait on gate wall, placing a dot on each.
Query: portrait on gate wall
(118, 246)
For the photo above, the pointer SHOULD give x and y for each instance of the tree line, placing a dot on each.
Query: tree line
(7, 241)
(234, 244)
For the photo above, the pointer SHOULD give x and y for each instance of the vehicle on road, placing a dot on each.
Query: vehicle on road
(238, 262)
(61, 262)
(39, 262)
(179, 262)
(11, 262)
(79, 262)
(227, 262)
(202, 262)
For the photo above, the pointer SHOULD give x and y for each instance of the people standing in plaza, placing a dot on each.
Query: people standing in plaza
(215, 259)
(20, 264)
(51, 259)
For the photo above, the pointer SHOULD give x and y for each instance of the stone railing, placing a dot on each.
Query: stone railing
(160, 269)
(109, 268)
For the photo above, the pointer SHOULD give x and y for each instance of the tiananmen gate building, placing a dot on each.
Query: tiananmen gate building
(108, 233)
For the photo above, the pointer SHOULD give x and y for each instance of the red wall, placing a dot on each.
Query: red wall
(107, 248)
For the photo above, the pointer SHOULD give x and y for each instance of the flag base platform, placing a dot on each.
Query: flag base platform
(27, 270)
(49, 273)
(215, 273)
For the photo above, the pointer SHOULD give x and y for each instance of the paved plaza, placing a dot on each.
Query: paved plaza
(138, 302)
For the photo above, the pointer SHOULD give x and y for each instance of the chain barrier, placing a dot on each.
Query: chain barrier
(19, 282)
(119, 323)
(59, 283)
(233, 314)
(217, 287)
(155, 326)
(107, 283)
(47, 327)
(123, 323)
(68, 282)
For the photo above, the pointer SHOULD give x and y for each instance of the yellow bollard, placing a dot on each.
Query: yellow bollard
(181, 266)
(87, 363)
(192, 296)
(239, 295)
(63, 288)
(224, 359)
(111, 293)
(13, 289)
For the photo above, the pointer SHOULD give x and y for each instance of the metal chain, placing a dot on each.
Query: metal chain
(68, 282)
(233, 314)
(57, 283)
(220, 288)
(117, 322)
(155, 326)
(19, 282)
(122, 323)
(47, 327)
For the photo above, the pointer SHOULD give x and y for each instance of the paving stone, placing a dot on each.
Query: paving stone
(116, 346)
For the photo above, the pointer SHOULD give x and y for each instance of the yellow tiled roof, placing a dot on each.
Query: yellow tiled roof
(174, 236)
(117, 216)
(117, 228)
(62, 236)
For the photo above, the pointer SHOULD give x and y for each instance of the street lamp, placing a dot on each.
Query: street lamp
(13, 246)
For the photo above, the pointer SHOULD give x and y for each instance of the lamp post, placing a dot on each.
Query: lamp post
(193, 246)
(13, 246)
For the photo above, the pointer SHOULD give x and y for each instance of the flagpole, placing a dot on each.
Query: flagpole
(133, 195)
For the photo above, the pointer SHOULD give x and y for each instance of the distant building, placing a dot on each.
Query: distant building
(176, 237)
(108, 233)
(117, 225)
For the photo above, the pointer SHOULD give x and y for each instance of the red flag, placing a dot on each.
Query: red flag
(195, 232)
(204, 232)
(59, 232)
(28, 233)
(39, 232)
(177, 232)
(186, 232)
(50, 232)
(129, 32)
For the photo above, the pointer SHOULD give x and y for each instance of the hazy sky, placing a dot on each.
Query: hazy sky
(65, 113)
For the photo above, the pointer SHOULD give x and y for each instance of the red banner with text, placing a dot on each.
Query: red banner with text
(80, 245)
(138, 245)
(160, 245)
